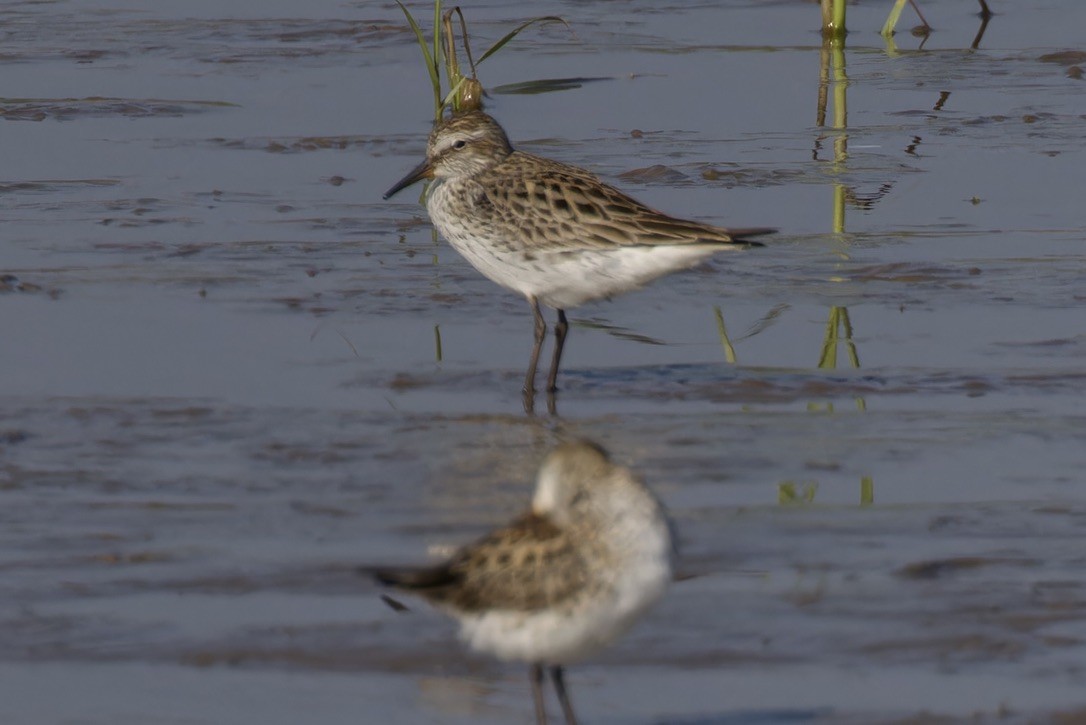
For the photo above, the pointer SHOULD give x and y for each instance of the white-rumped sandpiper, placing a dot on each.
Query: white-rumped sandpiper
(563, 580)
(550, 231)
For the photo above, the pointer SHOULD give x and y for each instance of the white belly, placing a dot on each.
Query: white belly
(570, 278)
(558, 636)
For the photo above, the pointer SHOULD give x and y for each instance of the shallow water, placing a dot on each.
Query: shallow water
(223, 385)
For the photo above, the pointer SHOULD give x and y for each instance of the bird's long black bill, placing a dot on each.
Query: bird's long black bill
(420, 172)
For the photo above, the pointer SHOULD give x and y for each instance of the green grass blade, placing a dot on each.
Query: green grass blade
(431, 66)
(891, 20)
(516, 31)
(544, 85)
(867, 491)
(828, 357)
(436, 61)
(839, 16)
(729, 351)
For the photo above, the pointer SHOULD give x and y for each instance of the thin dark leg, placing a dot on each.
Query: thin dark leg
(985, 11)
(536, 675)
(920, 15)
(560, 329)
(563, 697)
(540, 334)
(980, 31)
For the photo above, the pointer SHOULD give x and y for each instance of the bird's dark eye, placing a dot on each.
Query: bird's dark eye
(459, 144)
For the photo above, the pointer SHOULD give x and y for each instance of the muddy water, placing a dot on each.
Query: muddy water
(231, 372)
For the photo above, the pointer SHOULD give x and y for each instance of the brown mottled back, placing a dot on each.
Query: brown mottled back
(548, 203)
(525, 566)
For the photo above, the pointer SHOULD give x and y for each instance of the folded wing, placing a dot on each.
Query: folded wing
(548, 204)
(528, 565)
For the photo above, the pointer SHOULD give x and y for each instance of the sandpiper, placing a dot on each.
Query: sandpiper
(564, 579)
(553, 232)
